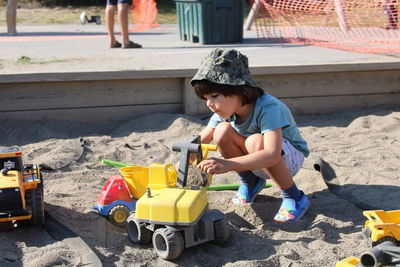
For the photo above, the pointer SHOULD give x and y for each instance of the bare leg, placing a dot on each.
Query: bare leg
(278, 172)
(110, 12)
(230, 142)
(11, 14)
(294, 202)
(123, 11)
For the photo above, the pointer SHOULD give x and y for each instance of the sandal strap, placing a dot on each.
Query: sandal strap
(292, 210)
(238, 199)
(132, 45)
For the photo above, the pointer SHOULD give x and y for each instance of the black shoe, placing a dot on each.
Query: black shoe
(132, 45)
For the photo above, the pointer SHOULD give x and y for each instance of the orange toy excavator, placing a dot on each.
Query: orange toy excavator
(144, 15)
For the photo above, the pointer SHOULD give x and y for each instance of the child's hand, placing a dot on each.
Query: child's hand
(213, 165)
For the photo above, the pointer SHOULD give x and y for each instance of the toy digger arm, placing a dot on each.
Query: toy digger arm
(186, 148)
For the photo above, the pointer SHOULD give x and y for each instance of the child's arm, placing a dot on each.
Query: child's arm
(269, 156)
(206, 135)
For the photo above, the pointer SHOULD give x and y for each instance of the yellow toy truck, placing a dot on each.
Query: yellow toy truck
(21, 189)
(382, 226)
(348, 262)
(174, 216)
(382, 229)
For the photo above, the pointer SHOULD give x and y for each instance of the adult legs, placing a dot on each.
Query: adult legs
(110, 12)
(123, 11)
(11, 15)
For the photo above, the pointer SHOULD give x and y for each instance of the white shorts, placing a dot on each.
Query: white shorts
(294, 159)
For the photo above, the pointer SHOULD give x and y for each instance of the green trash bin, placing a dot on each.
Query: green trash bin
(210, 21)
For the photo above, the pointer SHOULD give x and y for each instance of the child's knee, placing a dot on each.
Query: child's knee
(254, 142)
(222, 132)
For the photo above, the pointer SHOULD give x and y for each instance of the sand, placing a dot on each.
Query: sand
(361, 146)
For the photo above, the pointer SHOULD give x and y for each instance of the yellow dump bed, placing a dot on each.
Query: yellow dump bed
(382, 224)
(383, 217)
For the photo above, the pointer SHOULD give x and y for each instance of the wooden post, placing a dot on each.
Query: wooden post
(252, 15)
(341, 15)
(11, 14)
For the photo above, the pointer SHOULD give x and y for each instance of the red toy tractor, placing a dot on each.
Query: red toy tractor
(115, 200)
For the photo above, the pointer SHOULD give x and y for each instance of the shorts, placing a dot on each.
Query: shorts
(116, 2)
(294, 160)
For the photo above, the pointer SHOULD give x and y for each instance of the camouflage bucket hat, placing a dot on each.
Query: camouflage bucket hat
(225, 66)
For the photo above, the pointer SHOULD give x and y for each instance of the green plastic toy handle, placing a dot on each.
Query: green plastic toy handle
(115, 163)
(220, 187)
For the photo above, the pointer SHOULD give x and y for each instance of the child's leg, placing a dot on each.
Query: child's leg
(232, 144)
(294, 202)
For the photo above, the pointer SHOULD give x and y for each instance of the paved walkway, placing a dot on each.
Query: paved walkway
(84, 48)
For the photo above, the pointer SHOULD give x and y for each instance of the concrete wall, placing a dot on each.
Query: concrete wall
(100, 96)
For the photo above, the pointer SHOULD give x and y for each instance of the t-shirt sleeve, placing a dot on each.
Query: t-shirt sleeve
(214, 120)
(272, 117)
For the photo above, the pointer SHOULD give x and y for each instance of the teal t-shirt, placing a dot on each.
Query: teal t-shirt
(269, 113)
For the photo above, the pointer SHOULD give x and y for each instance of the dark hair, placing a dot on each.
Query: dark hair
(248, 94)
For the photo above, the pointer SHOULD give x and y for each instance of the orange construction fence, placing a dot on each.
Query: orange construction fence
(368, 26)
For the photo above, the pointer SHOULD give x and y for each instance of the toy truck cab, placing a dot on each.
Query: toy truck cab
(115, 201)
(21, 189)
(382, 226)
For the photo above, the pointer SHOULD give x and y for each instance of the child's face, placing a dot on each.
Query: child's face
(224, 106)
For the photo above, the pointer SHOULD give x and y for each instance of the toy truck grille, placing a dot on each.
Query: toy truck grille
(10, 199)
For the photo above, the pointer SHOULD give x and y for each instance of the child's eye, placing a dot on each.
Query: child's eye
(214, 95)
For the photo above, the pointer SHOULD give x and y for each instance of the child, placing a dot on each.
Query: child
(253, 130)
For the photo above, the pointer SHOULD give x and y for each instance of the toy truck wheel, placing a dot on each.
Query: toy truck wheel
(118, 215)
(34, 201)
(221, 231)
(168, 244)
(137, 232)
(384, 239)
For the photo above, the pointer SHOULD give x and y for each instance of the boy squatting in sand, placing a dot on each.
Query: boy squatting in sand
(253, 130)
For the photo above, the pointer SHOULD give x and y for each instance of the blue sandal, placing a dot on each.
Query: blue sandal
(292, 210)
(257, 188)
(243, 195)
